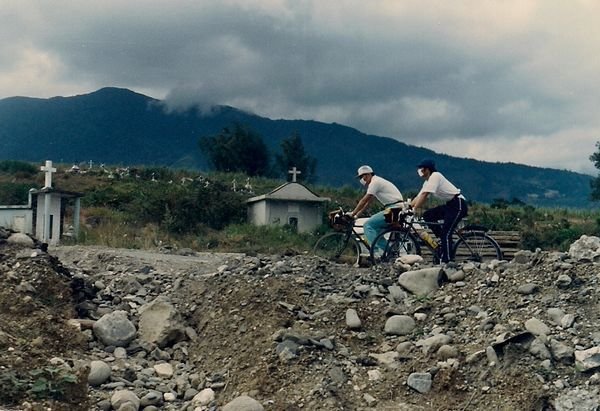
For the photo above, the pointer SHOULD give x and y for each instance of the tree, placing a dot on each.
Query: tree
(237, 149)
(293, 155)
(595, 183)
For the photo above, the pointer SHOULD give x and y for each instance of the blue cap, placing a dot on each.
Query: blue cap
(427, 163)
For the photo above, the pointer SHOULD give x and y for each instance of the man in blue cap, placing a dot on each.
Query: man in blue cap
(452, 211)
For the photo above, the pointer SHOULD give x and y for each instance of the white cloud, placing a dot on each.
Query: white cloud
(568, 149)
(482, 73)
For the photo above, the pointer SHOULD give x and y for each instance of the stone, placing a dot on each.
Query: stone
(243, 403)
(115, 329)
(587, 248)
(410, 259)
(561, 352)
(160, 323)
(352, 319)
(404, 348)
(204, 397)
(164, 370)
(21, 239)
(337, 375)
(538, 349)
(563, 281)
(420, 381)
(567, 321)
(388, 359)
(456, 276)
(589, 359)
(447, 351)
(423, 281)
(578, 399)
(399, 325)
(536, 327)
(522, 257)
(99, 373)
(397, 294)
(374, 375)
(370, 400)
(151, 398)
(433, 343)
(527, 289)
(491, 355)
(121, 397)
(556, 315)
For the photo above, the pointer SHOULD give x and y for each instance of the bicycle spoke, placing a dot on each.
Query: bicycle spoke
(476, 246)
(337, 247)
(393, 243)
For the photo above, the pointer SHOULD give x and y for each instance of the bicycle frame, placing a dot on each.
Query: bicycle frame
(459, 235)
(352, 232)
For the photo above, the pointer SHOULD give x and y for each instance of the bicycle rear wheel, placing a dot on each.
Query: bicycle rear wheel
(393, 243)
(338, 247)
(476, 246)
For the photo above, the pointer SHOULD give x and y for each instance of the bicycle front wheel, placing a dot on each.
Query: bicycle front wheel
(393, 243)
(338, 247)
(476, 246)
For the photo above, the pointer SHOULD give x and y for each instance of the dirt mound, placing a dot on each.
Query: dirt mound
(36, 301)
(279, 329)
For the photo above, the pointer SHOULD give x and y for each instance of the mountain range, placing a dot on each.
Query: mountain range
(120, 127)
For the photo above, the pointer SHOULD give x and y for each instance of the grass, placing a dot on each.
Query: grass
(246, 238)
(130, 212)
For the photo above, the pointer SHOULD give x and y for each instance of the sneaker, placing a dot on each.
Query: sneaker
(451, 264)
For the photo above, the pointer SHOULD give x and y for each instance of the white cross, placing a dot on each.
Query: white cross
(294, 172)
(48, 169)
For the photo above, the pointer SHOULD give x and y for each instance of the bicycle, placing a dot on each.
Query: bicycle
(345, 244)
(401, 237)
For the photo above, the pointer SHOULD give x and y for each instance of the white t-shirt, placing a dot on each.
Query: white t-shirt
(384, 191)
(440, 187)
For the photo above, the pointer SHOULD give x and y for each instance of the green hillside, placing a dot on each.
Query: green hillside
(118, 126)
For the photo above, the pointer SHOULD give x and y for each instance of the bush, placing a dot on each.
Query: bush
(21, 168)
(14, 193)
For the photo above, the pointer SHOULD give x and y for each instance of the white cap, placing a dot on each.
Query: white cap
(364, 170)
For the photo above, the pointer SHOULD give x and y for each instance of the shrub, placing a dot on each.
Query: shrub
(14, 193)
(21, 168)
(50, 382)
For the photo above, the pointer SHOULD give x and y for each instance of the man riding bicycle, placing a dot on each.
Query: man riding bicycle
(454, 209)
(385, 192)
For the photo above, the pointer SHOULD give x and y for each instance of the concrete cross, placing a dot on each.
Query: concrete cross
(294, 172)
(48, 169)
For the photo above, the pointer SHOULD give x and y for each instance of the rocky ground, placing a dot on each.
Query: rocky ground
(115, 329)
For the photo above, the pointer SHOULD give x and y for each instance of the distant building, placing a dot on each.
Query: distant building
(43, 217)
(290, 203)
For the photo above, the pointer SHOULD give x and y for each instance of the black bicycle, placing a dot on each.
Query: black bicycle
(345, 244)
(404, 236)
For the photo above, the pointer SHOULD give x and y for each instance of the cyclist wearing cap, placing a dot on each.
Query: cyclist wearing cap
(381, 189)
(454, 209)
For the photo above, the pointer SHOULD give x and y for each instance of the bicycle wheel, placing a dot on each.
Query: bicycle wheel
(476, 246)
(393, 243)
(338, 247)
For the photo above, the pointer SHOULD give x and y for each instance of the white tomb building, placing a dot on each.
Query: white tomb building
(44, 215)
(291, 203)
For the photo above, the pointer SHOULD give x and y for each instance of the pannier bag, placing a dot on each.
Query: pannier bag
(394, 215)
(339, 221)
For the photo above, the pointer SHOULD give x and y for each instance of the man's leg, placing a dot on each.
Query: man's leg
(455, 210)
(373, 226)
(433, 215)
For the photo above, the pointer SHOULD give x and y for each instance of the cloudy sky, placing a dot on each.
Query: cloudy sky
(510, 80)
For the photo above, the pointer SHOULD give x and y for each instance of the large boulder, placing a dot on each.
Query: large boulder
(587, 248)
(115, 329)
(160, 323)
(423, 281)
